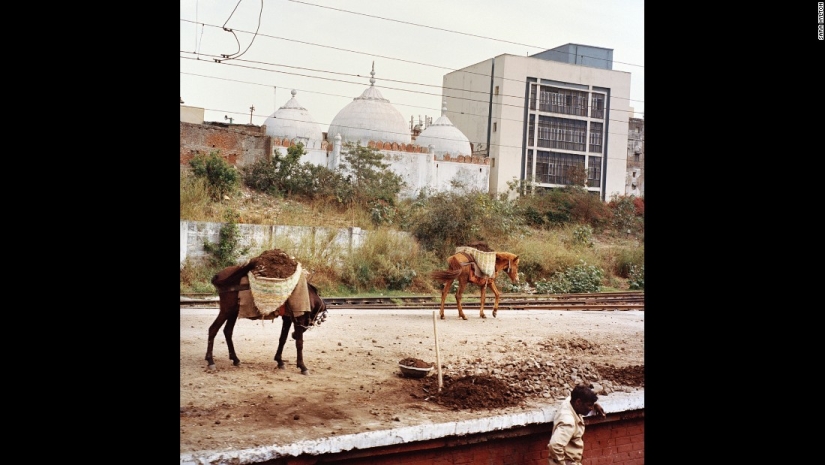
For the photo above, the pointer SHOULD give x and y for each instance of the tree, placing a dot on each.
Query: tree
(370, 176)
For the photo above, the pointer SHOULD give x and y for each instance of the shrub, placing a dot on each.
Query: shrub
(625, 219)
(370, 176)
(222, 177)
(637, 277)
(580, 278)
(227, 250)
(583, 236)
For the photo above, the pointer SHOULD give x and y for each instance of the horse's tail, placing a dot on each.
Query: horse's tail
(445, 275)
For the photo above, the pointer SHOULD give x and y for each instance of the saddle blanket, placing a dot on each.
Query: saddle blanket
(486, 260)
(269, 294)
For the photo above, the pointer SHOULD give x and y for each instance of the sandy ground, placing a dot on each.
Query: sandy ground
(354, 383)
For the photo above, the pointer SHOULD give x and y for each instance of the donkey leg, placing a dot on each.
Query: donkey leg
(213, 331)
(444, 292)
(497, 293)
(282, 340)
(299, 346)
(462, 282)
(483, 299)
(227, 331)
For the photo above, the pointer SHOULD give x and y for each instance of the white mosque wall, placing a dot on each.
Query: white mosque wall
(418, 168)
(470, 175)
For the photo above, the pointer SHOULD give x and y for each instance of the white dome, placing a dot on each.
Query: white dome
(445, 138)
(370, 117)
(294, 122)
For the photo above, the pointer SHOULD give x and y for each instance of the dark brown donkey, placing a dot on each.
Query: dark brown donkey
(228, 284)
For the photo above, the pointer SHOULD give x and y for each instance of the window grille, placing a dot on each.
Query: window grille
(554, 168)
(596, 137)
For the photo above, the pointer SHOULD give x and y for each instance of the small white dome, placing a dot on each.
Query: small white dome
(370, 117)
(444, 137)
(294, 122)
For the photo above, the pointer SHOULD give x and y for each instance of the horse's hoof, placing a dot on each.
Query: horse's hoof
(463, 317)
(236, 362)
(305, 372)
(211, 367)
(483, 316)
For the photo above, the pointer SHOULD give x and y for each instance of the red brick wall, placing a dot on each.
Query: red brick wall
(238, 144)
(618, 439)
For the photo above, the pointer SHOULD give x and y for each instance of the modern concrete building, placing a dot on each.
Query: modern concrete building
(635, 182)
(536, 117)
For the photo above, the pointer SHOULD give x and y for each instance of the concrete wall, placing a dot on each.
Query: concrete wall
(264, 237)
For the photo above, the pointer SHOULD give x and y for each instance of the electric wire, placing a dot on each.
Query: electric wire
(376, 55)
(449, 30)
(350, 97)
(393, 88)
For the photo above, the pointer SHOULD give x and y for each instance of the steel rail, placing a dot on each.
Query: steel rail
(631, 300)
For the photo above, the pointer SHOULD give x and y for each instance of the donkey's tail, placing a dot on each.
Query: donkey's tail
(445, 275)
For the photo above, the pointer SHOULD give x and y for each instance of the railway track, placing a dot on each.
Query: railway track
(599, 301)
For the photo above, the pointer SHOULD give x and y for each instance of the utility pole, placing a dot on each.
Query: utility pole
(251, 109)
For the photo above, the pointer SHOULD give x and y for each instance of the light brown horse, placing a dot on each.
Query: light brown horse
(461, 268)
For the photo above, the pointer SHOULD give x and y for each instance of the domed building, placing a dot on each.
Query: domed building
(444, 137)
(370, 117)
(294, 123)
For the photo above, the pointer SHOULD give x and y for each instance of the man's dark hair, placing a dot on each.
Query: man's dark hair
(584, 393)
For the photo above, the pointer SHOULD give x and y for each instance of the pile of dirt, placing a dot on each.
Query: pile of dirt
(274, 263)
(633, 375)
(414, 362)
(470, 392)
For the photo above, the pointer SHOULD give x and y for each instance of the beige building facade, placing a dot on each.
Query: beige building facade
(537, 117)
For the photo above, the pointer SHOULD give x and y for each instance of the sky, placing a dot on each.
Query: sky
(325, 49)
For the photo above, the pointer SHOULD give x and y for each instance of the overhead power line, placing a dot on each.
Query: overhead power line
(367, 54)
(384, 87)
(448, 30)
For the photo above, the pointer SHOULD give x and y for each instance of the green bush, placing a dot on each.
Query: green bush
(583, 236)
(222, 177)
(227, 251)
(637, 277)
(581, 278)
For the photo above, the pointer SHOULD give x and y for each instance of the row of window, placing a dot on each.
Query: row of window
(561, 168)
(566, 101)
(565, 134)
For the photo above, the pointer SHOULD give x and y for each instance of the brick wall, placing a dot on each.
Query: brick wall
(616, 440)
(238, 144)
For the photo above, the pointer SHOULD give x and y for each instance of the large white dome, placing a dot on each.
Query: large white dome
(294, 122)
(444, 137)
(370, 117)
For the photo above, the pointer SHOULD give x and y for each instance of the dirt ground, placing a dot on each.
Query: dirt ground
(523, 359)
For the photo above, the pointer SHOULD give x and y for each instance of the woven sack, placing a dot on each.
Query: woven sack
(486, 260)
(271, 293)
